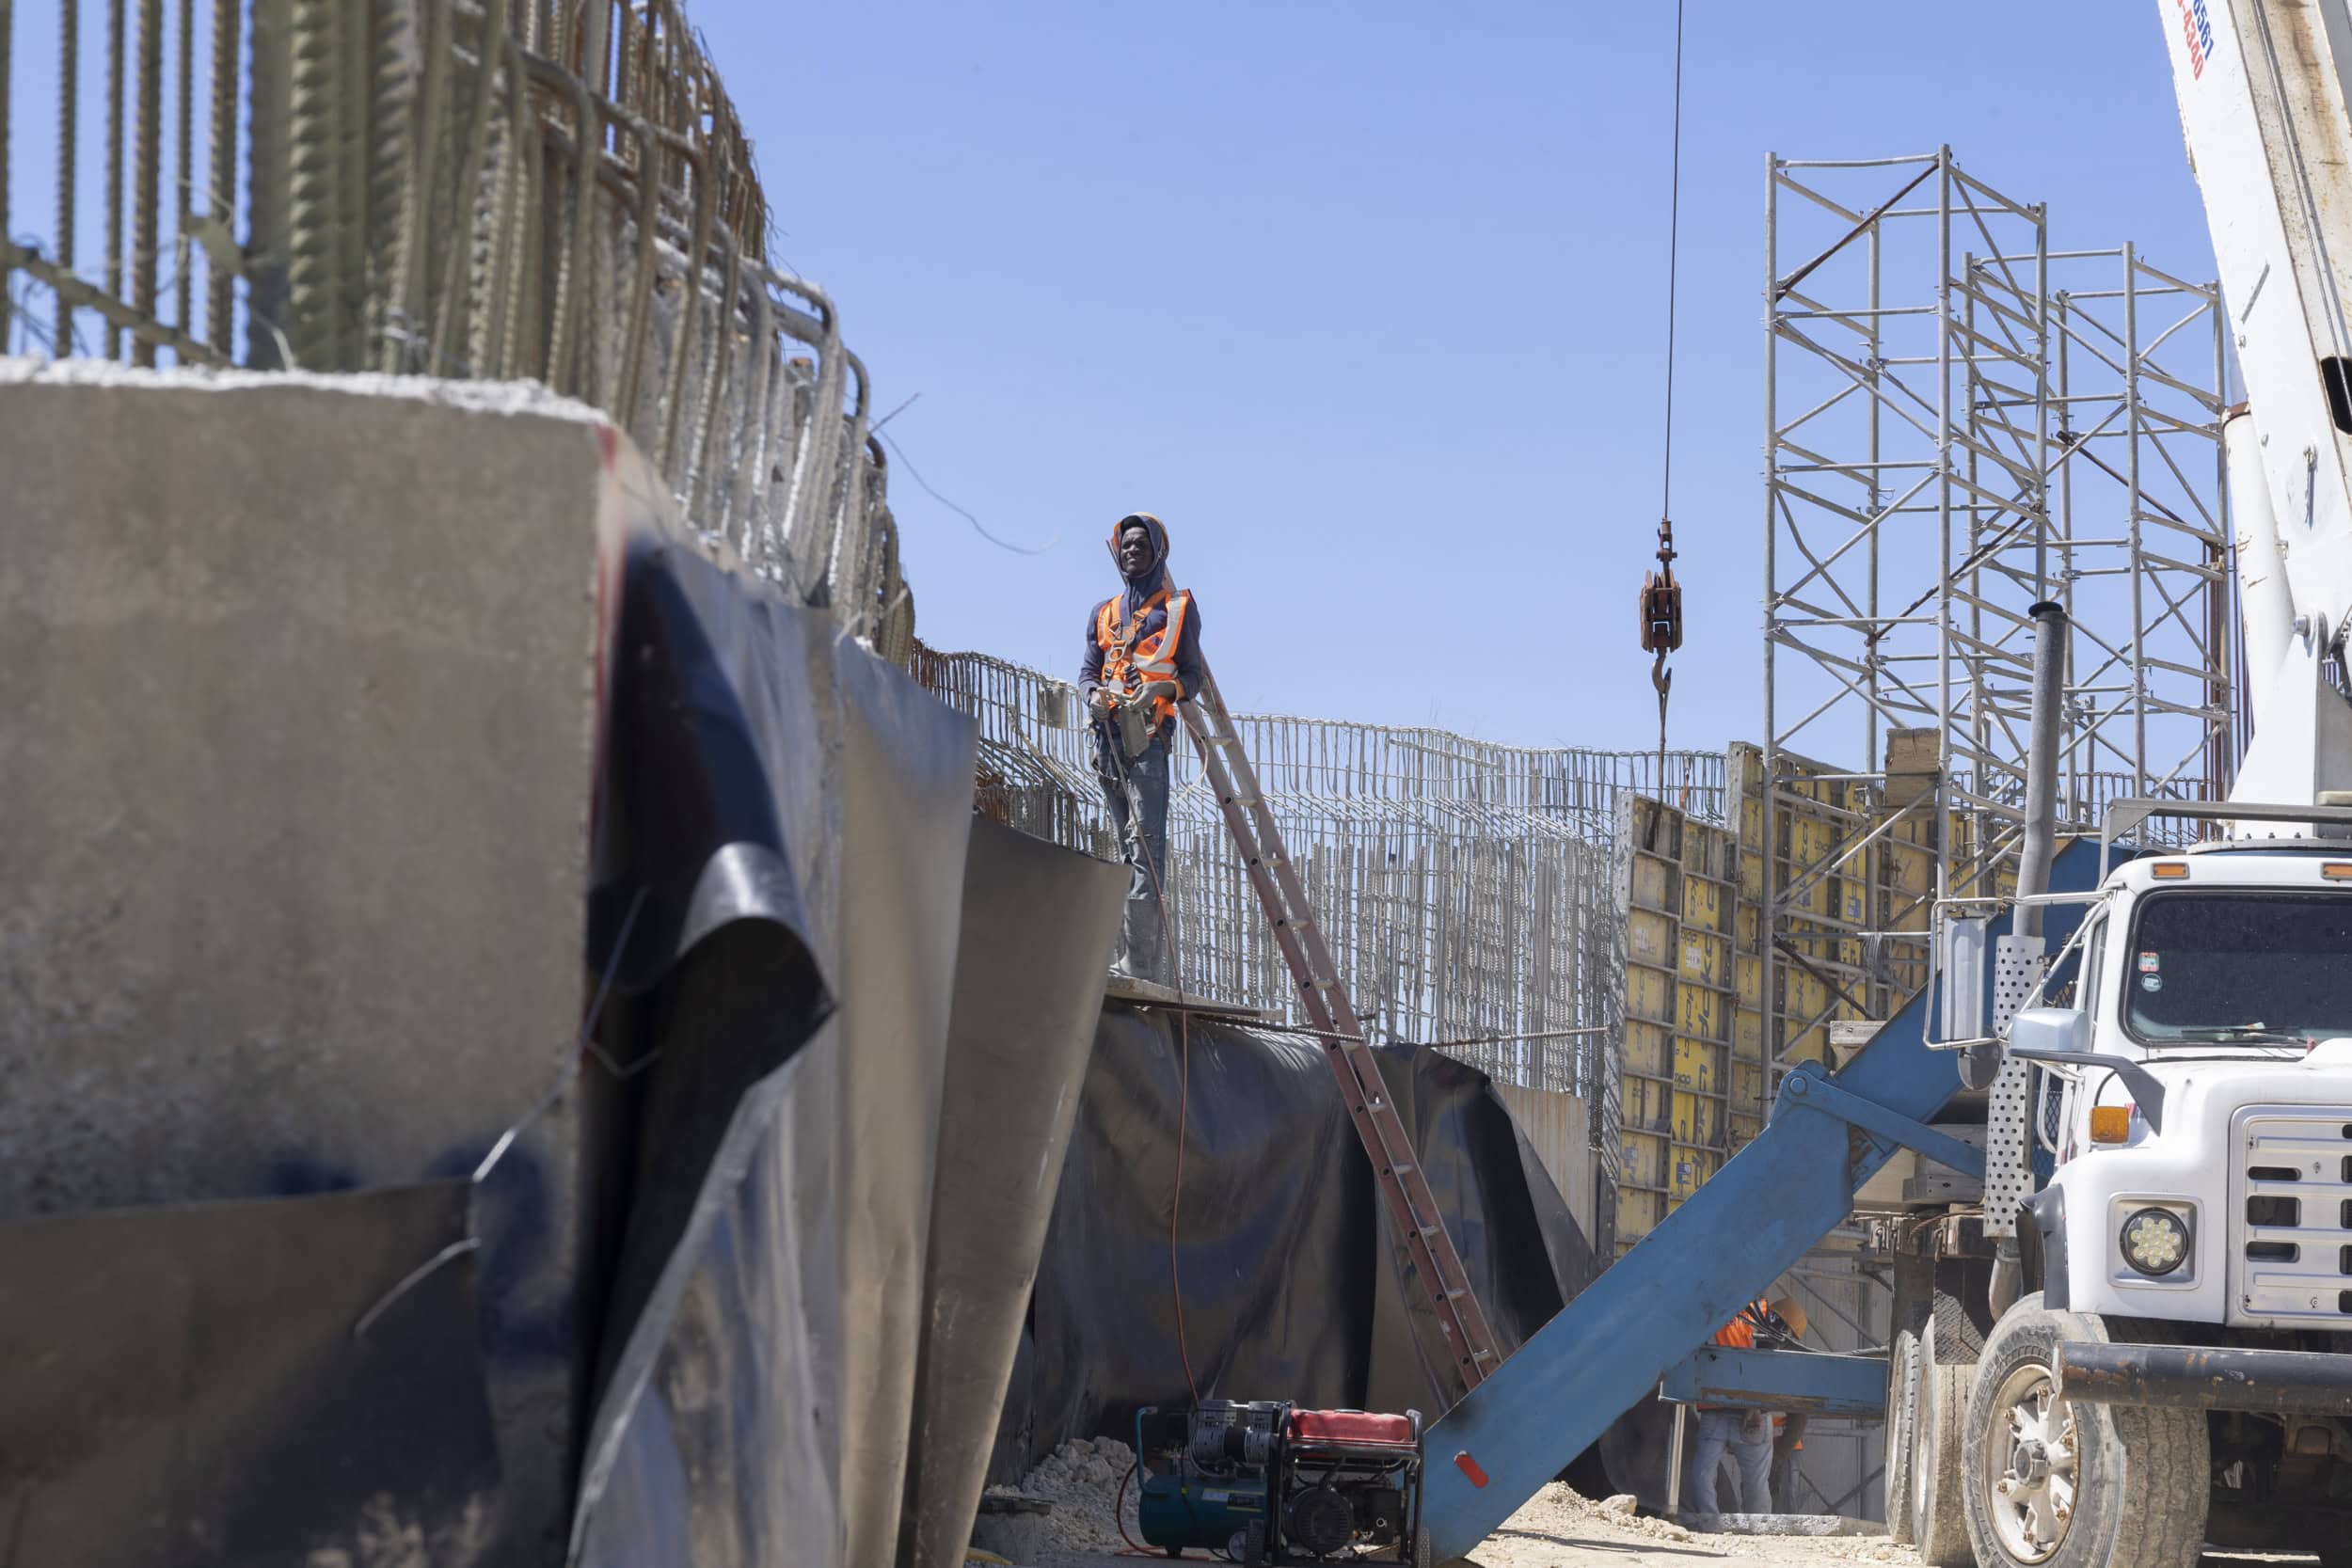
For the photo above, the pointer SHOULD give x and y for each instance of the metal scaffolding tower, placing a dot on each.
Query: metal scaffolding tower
(1960, 423)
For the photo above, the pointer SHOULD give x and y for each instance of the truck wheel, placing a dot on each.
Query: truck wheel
(1903, 1380)
(1939, 1515)
(2071, 1486)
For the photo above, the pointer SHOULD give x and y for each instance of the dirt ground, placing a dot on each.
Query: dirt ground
(1561, 1529)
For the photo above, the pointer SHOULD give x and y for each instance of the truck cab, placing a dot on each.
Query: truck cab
(2167, 1367)
(2225, 974)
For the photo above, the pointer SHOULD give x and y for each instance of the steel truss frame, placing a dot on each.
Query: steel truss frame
(1960, 423)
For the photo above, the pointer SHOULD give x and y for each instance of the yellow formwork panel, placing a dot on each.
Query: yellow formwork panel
(1703, 1042)
(1681, 891)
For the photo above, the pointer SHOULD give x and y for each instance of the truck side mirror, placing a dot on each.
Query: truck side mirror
(2051, 1029)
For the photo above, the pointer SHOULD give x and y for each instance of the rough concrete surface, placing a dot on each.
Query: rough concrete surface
(299, 687)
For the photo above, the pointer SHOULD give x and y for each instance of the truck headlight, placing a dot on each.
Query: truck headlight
(2155, 1241)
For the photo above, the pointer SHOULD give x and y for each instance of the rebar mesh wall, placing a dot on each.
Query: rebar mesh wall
(1464, 887)
(518, 190)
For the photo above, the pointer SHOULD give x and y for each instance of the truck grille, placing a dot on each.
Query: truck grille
(2294, 1203)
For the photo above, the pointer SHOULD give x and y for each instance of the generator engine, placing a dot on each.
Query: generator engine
(1266, 1482)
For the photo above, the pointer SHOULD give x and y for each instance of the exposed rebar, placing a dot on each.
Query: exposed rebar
(311, 210)
(183, 185)
(147, 171)
(115, 24)
(228, 22)
(69, 100)
(7, 35)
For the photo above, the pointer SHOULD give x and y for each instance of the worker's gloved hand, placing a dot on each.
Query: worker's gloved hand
(1101, 698)
(1154, 690)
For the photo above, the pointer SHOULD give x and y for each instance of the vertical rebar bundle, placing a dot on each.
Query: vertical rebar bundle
(510, 190)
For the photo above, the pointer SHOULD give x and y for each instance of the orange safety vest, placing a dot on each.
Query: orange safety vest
(1130, 660)
(1739, 1334)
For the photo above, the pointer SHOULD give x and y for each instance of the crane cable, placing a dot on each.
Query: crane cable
(1661, 597)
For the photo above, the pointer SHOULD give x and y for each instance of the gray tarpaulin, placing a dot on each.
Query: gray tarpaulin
(717, 1444)
(1037, 925)
(907, 767)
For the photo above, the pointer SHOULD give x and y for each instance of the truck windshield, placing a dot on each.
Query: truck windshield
(2254, 967)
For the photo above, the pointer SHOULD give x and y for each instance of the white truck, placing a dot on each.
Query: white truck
(2160, 1356)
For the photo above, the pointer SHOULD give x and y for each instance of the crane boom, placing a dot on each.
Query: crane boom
(2264, 109)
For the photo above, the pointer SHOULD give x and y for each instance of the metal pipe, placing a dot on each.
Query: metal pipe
(2196, 1377)
(2043, 742)
(1674, 1465)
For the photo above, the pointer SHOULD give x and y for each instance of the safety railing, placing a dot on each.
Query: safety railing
(551, 190)
(1464, 887)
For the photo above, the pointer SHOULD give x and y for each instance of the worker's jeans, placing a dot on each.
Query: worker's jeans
(1785, 1451)
(1142, 832)
(1747, 1437)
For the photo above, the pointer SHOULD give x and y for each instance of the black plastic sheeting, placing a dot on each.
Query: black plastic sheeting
(1293, 1284)
(719, 1442)
(190, 1383)
(833, 1232)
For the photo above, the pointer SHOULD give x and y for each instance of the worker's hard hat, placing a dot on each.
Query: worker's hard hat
(1788, 1311)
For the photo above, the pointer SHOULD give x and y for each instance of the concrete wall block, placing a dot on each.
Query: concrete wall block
(300, 707)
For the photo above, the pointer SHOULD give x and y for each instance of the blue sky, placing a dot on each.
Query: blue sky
(1367, 300)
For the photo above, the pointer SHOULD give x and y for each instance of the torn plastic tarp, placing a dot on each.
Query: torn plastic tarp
(1293, 1286)
(283, 1381)
(814, 1364)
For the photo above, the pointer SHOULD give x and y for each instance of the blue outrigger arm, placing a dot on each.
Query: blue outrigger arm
(1607, 1350)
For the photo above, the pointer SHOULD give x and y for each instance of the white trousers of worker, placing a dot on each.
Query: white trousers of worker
(1751, 1450)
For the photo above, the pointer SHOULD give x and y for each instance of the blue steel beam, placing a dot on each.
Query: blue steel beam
(1606, 1351)
(1813, 1382)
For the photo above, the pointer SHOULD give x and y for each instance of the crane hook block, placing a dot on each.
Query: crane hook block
(1662, 611)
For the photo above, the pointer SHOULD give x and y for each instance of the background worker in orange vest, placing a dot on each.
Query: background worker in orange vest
(1746, 1436)
(1142, 657)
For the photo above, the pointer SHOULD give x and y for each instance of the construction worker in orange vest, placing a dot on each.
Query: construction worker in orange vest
(1142, 657)
(1746, 1436)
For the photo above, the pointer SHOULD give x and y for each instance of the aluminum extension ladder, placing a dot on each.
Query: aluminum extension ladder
(1412, 1208)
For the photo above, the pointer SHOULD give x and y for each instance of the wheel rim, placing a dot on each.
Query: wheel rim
(2032, 1465)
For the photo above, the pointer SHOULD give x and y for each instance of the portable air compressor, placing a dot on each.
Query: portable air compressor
(1267, 1482)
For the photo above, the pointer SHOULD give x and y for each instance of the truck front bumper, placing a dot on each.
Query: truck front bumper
(2193, 1377)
